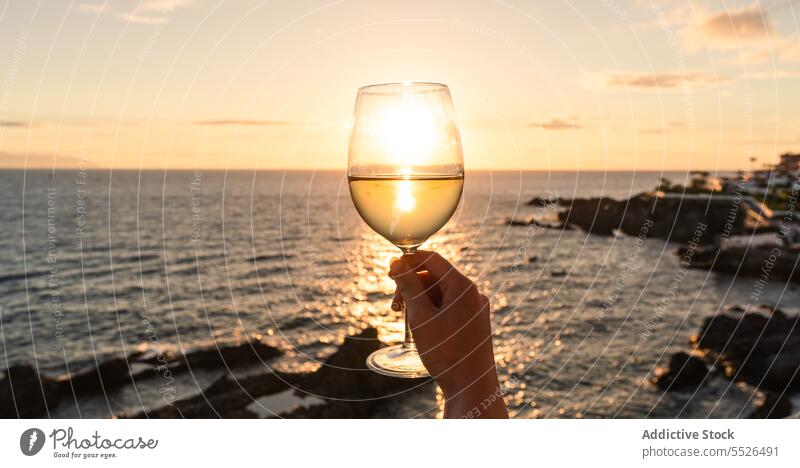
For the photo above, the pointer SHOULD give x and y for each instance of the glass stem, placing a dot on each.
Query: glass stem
(408, 339)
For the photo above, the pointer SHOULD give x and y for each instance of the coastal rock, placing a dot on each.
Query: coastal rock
(344, 375)
(762, 350)
(773, 407)
(749, 261)
(227, 397)
(516, 222)
(757, 345)
(345, 384)
(544, 201)
(245, 353)
(242, 354)
(536, 223)
(24, 393)
(697, 218)
(349, 387)
(685, 372)
(594, 215)
(108, 376)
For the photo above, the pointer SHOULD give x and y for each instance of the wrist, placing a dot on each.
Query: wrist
(479, 398)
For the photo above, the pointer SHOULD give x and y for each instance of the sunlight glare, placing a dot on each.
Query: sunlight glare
(404, 199)
(408, 131)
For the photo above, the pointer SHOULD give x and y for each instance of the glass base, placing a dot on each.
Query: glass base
(398, 361)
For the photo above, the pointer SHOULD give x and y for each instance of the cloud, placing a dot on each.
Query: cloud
(154, 11)
(77, 122)
(662, 80)
(750, 22)
(569, 123)
(745, 35)
(250, 122)
(14, 124)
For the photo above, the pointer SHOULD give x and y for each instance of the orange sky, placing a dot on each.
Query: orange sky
(537, 85)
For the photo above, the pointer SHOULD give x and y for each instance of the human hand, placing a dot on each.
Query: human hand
(449, 319)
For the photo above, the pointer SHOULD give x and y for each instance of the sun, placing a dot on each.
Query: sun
(408, 131)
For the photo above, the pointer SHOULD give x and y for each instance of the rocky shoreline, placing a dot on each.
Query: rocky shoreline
(704, 223)
(757, 346)
(672, 218)
(342, 387)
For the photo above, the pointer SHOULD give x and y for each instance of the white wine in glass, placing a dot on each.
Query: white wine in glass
(406, 174)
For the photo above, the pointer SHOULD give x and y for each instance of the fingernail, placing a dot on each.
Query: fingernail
(397, 268)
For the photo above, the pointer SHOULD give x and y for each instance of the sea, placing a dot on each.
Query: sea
(98, 264)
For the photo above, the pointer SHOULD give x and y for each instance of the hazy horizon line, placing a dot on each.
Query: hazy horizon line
(222, 169)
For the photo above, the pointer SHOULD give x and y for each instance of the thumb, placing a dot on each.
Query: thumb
(410, 287)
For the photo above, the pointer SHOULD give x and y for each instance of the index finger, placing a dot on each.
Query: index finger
(436, 265)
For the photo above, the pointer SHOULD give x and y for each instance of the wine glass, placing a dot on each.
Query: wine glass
(406, 174)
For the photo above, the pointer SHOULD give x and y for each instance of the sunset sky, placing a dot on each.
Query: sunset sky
(588, 85)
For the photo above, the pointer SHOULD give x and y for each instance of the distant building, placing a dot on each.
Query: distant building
(790, 162)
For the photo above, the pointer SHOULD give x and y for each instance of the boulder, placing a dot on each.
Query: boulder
(345, 375)
(749, 262)
(543, 201)
(108, 376)
(242, 354)
(227, 397)
(677, 219)
(349, 388)
(774, 406)
(245, 353)
(685, 373)
(24, 393)
(758, 345)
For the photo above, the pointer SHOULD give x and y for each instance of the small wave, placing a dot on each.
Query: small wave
(138, 258)
(267, 258)
(193, 259)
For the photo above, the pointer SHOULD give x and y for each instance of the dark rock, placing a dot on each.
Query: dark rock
(338, 410)
(773, 407)
(546, 225)
(516, 222)
(533, 259)
(594, 215)
(744, 261)
(24, 393)
(223, 356)
(246, 353)
(536, 223)
(543, 201)
(698, 257)
(676, 219)
(108, 376)
(227, 397)
(349, 388)
(783, 373)
(352, 390)
(344, 375)
(685, 372)
(760, 348)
